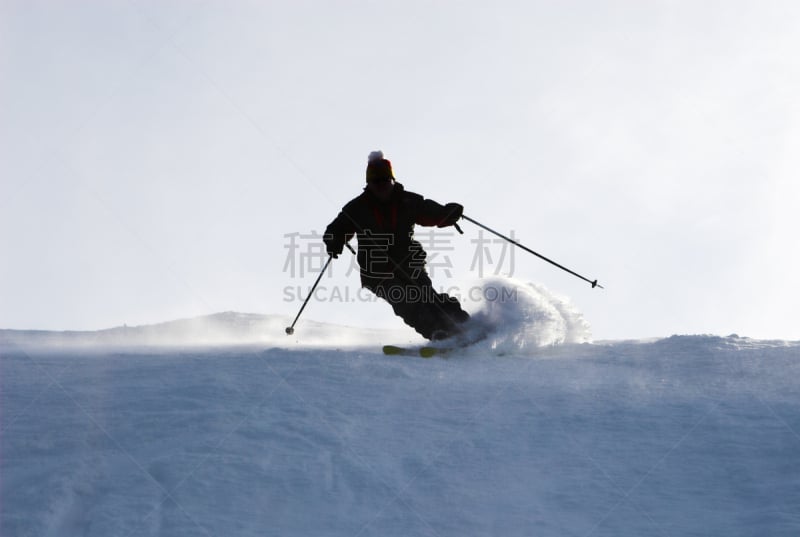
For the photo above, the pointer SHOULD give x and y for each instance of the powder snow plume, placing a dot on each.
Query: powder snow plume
(523, 315)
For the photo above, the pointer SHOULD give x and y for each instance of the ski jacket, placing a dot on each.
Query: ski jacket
(385, 231)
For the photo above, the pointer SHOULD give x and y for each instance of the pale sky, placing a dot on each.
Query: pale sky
(156, 157)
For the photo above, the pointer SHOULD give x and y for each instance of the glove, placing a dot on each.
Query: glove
(333, 245)
(453, 212)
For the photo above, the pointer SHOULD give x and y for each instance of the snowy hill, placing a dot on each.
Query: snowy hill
(133, 431)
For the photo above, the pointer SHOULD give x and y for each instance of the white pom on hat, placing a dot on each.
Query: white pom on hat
(375, 155)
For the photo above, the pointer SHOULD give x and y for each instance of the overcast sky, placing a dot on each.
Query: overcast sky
(158, 159)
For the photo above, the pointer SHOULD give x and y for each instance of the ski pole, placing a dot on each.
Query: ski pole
(290, 329)
(540, 256)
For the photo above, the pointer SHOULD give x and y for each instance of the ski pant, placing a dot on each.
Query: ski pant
(434, 315)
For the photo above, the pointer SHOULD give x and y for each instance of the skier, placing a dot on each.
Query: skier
(392, 263)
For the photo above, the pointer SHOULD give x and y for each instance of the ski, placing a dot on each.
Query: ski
(442, 349)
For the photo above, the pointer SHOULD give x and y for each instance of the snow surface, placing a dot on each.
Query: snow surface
(223, 425)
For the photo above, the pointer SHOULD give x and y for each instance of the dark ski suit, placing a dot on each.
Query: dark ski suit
(393, 263)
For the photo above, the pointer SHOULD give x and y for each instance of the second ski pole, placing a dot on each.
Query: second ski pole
(290, 329)
(540, 256)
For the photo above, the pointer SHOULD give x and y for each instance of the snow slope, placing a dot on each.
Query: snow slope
(142, 431)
